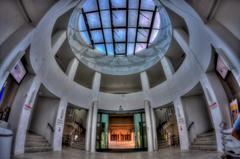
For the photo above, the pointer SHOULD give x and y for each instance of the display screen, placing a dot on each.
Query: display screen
(221, 68)
(18, 72)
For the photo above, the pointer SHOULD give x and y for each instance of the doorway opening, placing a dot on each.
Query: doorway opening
(124, 131)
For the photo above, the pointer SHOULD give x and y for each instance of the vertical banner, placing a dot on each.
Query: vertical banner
(234, 110)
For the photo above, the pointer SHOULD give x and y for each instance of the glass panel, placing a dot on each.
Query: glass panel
(110, 49)
(130, 49)
(132, 18)
(147, 4)
(97, 36)
(103, 4)
(119, 18)
(140, 46)
(118, 3)
(90, 5)
(86, 38)
(131, 35)
(106, 21)
(100, 48)
(133, 4)
(82, 25)
(104, 131)
(108, 35)
(157, 21)
(120, 48)
(93, 20)
(120, 35)
(142, 35)
(145, 19)
(153, 35)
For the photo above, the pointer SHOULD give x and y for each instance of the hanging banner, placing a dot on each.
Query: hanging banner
(18, 72)
(221, 68)
(234, 110)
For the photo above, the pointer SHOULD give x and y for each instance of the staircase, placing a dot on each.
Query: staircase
(36, 143)
(205, 141)
(162, 142)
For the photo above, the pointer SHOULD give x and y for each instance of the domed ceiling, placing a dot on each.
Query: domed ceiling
(119, 37)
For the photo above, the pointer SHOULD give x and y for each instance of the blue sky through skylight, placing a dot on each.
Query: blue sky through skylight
(119, 27)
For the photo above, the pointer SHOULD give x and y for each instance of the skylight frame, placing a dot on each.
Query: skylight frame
(126, 27)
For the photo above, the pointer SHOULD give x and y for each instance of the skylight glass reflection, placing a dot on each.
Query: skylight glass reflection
(119, 27)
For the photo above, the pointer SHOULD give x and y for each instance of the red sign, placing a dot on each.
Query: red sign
(213, 106)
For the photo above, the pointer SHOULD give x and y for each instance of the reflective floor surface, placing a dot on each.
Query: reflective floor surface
(170, 153)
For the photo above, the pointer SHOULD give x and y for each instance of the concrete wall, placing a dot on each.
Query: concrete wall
(44, 113)
(10, 18)
(196, 111)
(228, 15)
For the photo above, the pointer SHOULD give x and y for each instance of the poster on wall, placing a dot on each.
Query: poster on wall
(222, 68)
(18, 72)
(234, 110)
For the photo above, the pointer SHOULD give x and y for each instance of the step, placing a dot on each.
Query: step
(203, 147)
(205, 142)
(35, 137)
(38, 149)
(36, 144)
(206, 135)
(206, 138)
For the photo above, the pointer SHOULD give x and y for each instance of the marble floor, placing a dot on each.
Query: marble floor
(170, 153)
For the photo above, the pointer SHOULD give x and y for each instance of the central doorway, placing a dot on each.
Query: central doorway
(121, 131)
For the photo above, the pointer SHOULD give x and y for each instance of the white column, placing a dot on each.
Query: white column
(148, 125)
(59, 123)
(94, 126)
(95, 89)
(178, 106)
(148, 112)
(218, 103)
(57, 40)
(21, 111)
(154, 130)
(182, 125)
(89, 130)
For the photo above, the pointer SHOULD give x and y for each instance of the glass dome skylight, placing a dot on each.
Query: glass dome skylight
(119, 27)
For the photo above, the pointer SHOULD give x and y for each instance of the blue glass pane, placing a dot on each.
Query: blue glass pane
(133, 4)
(145, 19)
(131, 34)
(119, 18)
(90, 5)
(106, 21)
(86, 38)
(110, 49)
(82, 25)
(140, 47)
(93, 20)
(142, 35)
(130, 48)
(132, 18)
(97, 36)
(120, 48)
(147, 4)
(108, 35)
(100, 48)
(120, 35)
(153, 35)
(103, 4)
(157, 21)
(118, 3)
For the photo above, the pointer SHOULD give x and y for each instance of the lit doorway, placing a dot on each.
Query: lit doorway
(121, 131)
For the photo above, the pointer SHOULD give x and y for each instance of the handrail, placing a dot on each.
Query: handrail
(51, 127)
(190, 126)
